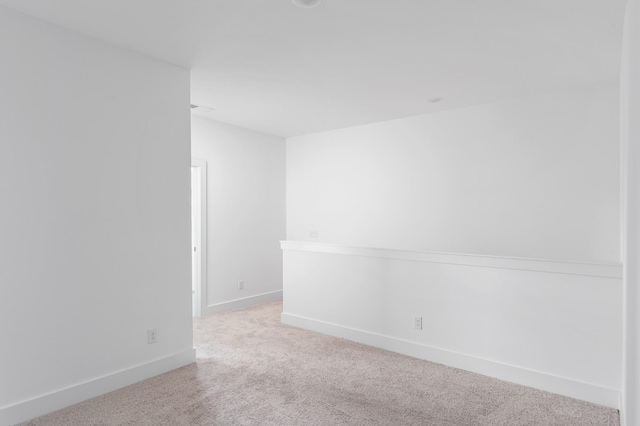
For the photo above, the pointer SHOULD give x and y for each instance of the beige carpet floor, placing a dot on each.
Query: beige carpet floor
(252, 370)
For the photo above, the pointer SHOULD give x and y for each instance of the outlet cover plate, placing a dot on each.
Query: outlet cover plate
(417, 323)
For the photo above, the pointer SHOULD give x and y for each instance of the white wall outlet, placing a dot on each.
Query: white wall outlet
(313, 233)
(417, 323)
(152, 335)
(240, 285)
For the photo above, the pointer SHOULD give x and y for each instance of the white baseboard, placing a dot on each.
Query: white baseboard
(245, 302)
(36, 407)
(510, 373)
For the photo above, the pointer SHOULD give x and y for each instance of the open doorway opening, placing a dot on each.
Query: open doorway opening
(198, 237)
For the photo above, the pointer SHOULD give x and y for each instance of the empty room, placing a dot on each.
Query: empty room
(319, 212)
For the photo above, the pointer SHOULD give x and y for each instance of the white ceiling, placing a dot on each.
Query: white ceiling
(270, 66)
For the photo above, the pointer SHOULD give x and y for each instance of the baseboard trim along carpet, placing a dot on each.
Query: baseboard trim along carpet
(245, 302)
(65, 397)
(559, 385)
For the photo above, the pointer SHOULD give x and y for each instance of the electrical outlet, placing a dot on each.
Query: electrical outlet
(417, 323)
(152, 335)
(313, 233)
(240, 285)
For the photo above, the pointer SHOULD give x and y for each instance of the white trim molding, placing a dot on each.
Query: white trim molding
(61, 398)
(606, 270)
(201, 243)
(536, 379)
(245, 302)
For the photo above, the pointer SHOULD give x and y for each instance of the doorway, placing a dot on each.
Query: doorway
(198, 237)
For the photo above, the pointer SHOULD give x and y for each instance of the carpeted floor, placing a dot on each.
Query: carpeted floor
(252, 370)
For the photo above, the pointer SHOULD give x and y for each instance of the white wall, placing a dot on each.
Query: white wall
(546, 324)
(246, 212)
(535, 177)
(630, 91)
(94, 217)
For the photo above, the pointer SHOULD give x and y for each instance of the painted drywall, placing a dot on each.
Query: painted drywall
(630, 94)
(246, 212)
(533, 177)
(94, 217)
(550, 325)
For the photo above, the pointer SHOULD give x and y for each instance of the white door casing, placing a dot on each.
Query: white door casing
(199, 235)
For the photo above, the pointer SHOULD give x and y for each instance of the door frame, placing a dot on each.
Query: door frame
(200, 243)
